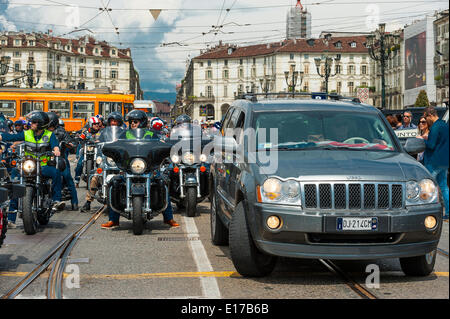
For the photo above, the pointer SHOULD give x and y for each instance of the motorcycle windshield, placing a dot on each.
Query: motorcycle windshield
(111, 134)
(188, 135)
(3, 126)
(139, 134)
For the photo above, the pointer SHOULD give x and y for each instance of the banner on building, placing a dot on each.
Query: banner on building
(363, 94)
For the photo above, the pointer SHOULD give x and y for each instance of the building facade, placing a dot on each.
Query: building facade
(441, 26)
(82, 63)
(216, 77)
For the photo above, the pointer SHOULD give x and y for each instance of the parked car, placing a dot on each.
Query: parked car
(336, 183)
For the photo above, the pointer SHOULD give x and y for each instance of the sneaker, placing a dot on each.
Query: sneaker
(58, 205)
(75, 207)
(12, 225)
(171, 223)
(110, 225)
(86, 207)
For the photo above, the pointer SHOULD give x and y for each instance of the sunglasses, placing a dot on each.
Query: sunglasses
(406, 116)
(422, 122)
(135, 122)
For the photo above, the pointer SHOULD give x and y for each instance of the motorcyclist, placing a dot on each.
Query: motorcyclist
(138, 119)
(65, 142)
(18, 126)
(113, 119)
(92, 129)
(38, 134)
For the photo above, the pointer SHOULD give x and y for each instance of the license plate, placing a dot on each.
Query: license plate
(351, 223)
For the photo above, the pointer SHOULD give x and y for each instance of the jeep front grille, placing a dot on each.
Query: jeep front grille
(342, 195)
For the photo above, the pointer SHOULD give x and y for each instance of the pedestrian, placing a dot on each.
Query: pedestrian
(424, 130)
(392, 121)
(435, 157)
(407, 121)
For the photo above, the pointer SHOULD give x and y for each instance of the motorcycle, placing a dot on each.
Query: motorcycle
(105, 167)
(188, 169)
(8, 190)
(89, 156)
(36, 206)
(140, 193)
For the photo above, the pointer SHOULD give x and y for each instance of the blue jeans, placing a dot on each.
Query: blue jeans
(79, 168)
(440, 175)
(14, 203)
(55, 175)
(70, 184)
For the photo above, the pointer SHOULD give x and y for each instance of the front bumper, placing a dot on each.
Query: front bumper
(314, 234)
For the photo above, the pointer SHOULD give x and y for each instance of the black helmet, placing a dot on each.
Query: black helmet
(138, 115)
(115, 116)
(183, 119)
(53, 119)
(40, 117)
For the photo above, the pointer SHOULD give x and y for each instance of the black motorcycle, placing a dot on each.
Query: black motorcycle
(105, 168)
(8, 190)
(188, 170)
(140, 193)
(89, 156)
(36, 206)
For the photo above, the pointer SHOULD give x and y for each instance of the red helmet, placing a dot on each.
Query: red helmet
(157, 124)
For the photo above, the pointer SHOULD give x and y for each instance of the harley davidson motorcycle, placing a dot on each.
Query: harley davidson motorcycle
(188, 168)
(36, 205)
(89, 155)
(105, 167)
(140, 193)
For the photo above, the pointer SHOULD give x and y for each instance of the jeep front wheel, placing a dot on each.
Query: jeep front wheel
(247, 259)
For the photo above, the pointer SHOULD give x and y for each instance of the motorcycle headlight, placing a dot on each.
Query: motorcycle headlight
(188, 158)
(138, 166)
(203, 158)
(175, 159)
(280, 192)
(423, 192)
(90, 148)
(29, 166)
(99, 160)
(110, 161)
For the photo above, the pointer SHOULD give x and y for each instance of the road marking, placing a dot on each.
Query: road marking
(210, 287)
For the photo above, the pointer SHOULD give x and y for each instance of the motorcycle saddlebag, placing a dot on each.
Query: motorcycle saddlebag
(116, 193)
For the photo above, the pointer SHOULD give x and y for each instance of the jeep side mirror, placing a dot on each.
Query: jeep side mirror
(414, 146)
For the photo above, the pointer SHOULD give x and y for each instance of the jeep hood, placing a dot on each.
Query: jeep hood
(342, 165)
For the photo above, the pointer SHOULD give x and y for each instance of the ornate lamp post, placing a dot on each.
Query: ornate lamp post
(328, 64)
(293, 77)
(4, 64)
(28, 77)
(266, 84)
(382, 47)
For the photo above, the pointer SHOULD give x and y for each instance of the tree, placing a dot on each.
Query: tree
(422, 99)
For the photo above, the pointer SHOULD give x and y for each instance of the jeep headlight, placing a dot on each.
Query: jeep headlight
(138, 166)
(188, 158)
(423, 192)
(280, 192)
(29, 166)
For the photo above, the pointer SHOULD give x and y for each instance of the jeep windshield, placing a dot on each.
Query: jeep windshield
(305, 130)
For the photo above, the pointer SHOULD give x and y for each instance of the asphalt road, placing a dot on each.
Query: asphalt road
(180, 263)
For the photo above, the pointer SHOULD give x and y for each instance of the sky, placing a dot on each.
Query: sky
(161, 47)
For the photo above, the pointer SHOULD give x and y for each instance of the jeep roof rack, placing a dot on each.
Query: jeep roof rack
(253, 97)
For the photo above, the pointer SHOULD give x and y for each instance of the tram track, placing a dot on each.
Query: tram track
(56, 258)
(352, 284)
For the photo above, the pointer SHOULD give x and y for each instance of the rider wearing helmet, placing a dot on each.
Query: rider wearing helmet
(18, 126)
(114, 119)
(183, 119)
(38, 134)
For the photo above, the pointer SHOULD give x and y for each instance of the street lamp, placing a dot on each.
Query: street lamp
(4, 64)
(328, 64)
(293, 80)
(28, 77)
(266, 84)
(382, 47)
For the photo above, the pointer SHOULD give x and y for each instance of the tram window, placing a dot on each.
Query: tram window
(62, 108)
(8, 108)
(128, 107)
(105, 108)
(83, 110)
(28, 106)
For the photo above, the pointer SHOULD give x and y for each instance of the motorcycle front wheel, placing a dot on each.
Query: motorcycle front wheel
(191, 201)
(138, 220)
(29, 215)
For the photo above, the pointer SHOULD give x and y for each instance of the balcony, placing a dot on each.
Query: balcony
(200, 99)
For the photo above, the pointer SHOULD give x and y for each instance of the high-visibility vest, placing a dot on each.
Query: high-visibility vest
(130, 135)
(42, 145)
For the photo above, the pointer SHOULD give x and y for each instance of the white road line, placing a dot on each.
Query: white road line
(209, 284)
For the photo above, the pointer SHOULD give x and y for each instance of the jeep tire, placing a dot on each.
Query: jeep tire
(219, 233)
(419, 265)
(247, 259)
